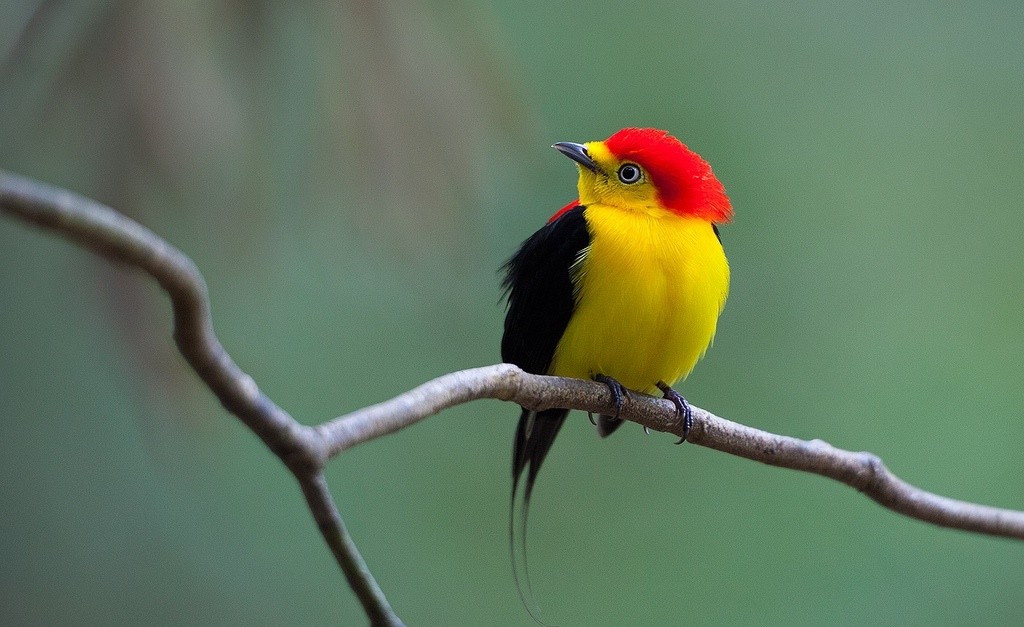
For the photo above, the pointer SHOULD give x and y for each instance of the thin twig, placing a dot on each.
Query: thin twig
(318, 496)
(100, 229)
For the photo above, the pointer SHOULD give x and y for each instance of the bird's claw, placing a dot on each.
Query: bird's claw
(682, 408)
(618, 392)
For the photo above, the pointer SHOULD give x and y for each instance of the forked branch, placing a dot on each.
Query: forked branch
(305, 450)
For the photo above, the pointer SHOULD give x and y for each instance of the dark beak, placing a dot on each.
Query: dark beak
(578, 153)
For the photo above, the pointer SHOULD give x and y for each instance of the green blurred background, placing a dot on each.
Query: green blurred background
(349, 177)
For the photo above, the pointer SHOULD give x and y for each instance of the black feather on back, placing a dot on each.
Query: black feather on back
(539, 286)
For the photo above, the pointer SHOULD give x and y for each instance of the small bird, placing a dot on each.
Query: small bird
(623, 285)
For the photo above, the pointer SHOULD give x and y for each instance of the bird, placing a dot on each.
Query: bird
(624, 285)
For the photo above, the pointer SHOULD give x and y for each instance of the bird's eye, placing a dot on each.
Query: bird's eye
(630, 173)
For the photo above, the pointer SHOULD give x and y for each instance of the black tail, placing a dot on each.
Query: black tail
(606, 425)
(534, 436)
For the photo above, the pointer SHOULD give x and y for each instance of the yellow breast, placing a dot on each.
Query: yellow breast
(649, 291)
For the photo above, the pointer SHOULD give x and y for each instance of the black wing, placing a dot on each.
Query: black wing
(539, 286)
(538, 282)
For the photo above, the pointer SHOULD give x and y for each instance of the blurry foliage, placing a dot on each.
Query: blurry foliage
(350, 175)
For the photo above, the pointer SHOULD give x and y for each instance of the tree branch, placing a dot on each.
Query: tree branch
(305, 450)
(863, 471)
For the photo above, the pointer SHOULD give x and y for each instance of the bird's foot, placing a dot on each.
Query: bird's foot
(617, 390)
(682, 408)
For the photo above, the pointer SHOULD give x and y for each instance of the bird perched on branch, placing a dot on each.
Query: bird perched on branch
(623, 285)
